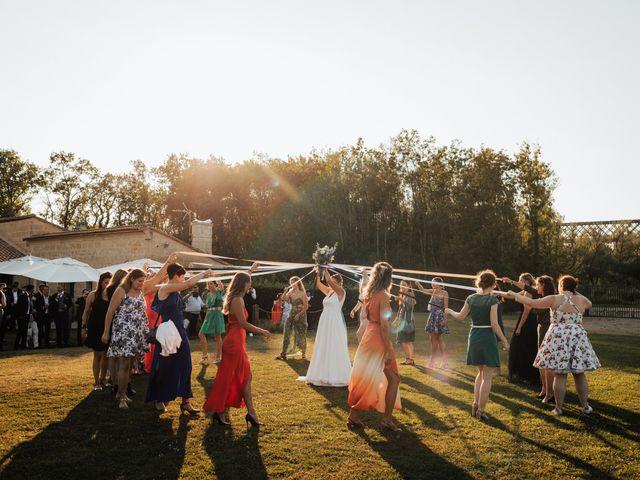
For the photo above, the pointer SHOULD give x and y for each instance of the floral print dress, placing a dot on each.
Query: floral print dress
(130, 328)
(566, 347)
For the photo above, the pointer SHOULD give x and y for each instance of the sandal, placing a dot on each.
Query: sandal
(205, 359)
(557, 411)
(160, 406)
(123, 405)
(390, 426)
(188, 408)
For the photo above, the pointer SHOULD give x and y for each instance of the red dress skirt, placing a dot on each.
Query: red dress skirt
(234, 371)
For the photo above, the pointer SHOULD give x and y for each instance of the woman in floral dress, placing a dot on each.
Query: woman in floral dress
(130, 328)
(437, 324)
(565, 348)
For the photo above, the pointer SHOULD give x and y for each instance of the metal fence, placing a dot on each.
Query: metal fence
(613, 301)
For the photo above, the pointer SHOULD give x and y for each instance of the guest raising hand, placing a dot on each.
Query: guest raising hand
(170, 375)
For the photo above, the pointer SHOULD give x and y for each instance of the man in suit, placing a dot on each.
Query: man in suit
(23, 312)
(80, 303)
(60, 305)
(43, 320)
(3, 305)
(11, 301)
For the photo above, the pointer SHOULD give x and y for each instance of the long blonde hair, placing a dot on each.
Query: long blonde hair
(237, 288)
(380, 279)
(298, 284)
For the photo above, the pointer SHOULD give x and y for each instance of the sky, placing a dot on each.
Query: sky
(118, 81)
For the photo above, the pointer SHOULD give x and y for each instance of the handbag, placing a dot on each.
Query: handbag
(151, 336)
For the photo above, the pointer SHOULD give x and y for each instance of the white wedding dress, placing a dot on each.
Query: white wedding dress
(330, 364)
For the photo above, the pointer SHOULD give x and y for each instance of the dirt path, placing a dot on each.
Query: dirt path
(613, 326)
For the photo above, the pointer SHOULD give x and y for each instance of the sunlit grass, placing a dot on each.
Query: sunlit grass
(53, 426)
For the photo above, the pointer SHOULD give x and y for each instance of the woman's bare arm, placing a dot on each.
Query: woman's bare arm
(237, 310)
(116, 300)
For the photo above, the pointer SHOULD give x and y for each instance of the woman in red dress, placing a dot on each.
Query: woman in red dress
(232, 385)
(374, 381)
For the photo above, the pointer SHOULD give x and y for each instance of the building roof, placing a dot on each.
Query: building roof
(109, 231)
(8, 252)
(26, 217)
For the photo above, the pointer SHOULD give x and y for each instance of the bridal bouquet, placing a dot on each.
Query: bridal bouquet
(324, 255)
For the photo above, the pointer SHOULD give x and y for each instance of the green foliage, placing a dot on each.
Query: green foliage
(67, 183)
(409, 201)
(19, 181)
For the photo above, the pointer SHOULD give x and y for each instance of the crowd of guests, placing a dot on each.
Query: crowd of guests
(30, 312)
(139, 314)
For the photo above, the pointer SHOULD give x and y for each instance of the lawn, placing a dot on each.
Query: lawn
(53, 426)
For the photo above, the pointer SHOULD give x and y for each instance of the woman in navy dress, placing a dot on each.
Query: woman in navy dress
(170, 377)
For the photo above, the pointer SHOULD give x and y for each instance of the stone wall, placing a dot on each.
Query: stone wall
(103, 249)
(15, 231)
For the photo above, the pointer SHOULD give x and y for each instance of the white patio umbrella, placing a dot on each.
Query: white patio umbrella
(18, 266)
(132, 264)
(62, 270)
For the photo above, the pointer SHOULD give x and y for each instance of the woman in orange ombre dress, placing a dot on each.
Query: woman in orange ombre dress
(374, 381)
(232, 385)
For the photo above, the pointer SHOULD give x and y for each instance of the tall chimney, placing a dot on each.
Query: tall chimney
(202, 235)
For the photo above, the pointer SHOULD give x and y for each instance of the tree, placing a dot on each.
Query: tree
(536, 183)
(67, 182)
(19, 180)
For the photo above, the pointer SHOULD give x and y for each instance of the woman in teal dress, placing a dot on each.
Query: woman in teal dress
(214, 321)
(482, 349)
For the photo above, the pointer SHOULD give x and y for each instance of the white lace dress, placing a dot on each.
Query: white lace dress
(330, 364)
(566, 347)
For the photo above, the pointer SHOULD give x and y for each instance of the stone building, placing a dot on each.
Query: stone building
(32, 235)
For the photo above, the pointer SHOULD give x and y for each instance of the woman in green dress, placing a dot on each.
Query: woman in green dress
(214, 321)
(482, 348)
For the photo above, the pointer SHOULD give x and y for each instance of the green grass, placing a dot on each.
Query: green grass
(52, 426)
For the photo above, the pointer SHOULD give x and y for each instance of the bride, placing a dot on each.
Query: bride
(330, 365)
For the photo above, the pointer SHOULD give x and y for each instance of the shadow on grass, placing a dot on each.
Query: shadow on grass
(97, 440)
(235, 455)
(591, 424)
(403, 451)
(607, 418)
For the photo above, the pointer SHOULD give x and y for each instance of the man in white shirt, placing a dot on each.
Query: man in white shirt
(193, 307)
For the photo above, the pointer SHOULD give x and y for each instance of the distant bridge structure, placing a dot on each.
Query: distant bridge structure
(609, 229)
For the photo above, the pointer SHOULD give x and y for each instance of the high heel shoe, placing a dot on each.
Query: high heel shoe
(354, 424)
(474, 409)
(123, 405)
(160, 406)
(187, 407)
(216, 418)
(250, 420)
(282, 356)
(480, 415)
(548, 399)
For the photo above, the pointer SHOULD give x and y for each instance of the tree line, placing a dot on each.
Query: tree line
(410, 201)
